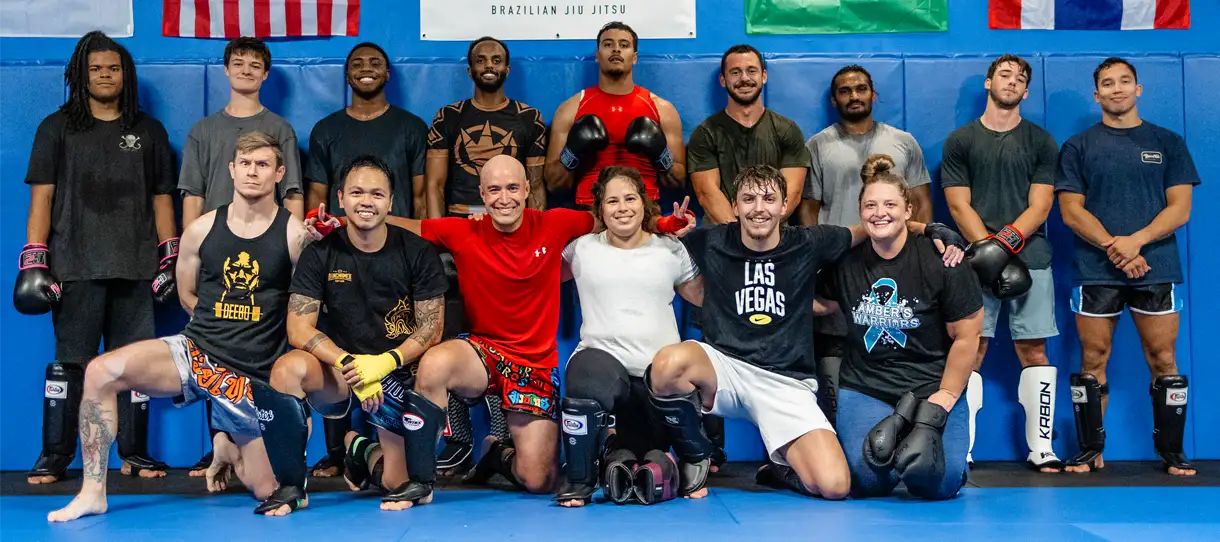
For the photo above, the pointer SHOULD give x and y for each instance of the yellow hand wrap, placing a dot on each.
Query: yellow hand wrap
(372, 368)
(365, 391)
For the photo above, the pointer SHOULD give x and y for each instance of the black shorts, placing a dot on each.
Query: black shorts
(1104, 301)
(118, 311)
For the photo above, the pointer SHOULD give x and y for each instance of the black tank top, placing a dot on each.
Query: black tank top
(240, 318)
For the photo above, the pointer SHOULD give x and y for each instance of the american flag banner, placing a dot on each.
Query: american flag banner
(260, 18)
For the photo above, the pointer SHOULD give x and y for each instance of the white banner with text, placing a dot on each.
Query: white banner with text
(463, 20)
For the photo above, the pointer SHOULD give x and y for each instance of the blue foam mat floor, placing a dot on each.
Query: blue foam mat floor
(1110, 513)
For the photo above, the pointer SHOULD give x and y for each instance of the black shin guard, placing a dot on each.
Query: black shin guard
(1169, 419)
(335, 430)
(681, 417)
(1086, 406)
(62, 393)
(133, 433)
(282, 418)
(496, 418)
(423, 421)
(584, 435)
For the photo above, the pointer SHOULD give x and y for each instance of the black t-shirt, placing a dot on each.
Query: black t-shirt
(397, 137)
(998, 168)
(896, 314)
(370, 296)
(757, 306)
(720, 142)
(102, 222)
(473, 136)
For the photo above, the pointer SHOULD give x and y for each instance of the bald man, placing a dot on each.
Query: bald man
(508, 266)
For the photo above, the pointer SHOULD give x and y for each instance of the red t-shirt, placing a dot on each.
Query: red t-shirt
(510, 281)
(617, 111)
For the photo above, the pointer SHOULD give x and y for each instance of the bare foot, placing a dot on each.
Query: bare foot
(1049, 470)
(82, 505)
(1182, 472)
(574, 503)
(126, 470)
(198, 473)
(284, 510)
(327, 472)
(395, 506)
(698, 494)
(1085, 468)
(37, 480)
(713, 469)
(225, 456)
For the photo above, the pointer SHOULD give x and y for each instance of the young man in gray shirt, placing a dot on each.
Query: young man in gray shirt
(205, 180)
(832, 192)
(998, 176)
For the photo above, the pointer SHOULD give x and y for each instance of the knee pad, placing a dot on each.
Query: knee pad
(1086, 406)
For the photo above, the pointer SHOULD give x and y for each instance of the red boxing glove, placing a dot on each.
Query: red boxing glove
(671, 224)
(325, 223)
(1011, 238)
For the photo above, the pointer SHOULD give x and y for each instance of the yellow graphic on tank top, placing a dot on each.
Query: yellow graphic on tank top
(241, 279)
(399, 321)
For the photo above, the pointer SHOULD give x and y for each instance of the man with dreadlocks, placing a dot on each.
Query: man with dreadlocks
(101, 243)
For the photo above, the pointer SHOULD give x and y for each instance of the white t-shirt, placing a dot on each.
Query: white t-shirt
(626, 295)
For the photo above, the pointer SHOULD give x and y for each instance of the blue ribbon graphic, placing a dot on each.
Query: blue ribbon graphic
(874, 332)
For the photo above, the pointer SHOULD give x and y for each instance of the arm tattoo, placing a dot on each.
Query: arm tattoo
(315, 341)
(428, 320)
(96, 436)
(305, 240)
(301, 305)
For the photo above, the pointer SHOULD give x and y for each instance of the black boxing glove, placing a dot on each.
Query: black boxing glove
(644, 136)
(165, 284)
(36, 290)
(920, 459)
(587, 136)
(883, 439)
(940, 232)
(1014, 281)
(987, 257)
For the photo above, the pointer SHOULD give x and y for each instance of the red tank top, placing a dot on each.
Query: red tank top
(617, 111)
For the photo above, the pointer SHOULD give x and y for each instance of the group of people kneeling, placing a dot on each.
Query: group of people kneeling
(259, 285)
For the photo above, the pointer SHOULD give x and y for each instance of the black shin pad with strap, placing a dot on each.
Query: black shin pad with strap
(1169, 395)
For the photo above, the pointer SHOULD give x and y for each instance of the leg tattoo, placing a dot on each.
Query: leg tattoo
(97, 430)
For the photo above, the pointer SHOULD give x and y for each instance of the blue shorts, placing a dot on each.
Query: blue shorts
(233, 409)
(1031, 316)
(389, 416)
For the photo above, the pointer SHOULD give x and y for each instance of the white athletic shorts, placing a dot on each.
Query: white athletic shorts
(783, 408)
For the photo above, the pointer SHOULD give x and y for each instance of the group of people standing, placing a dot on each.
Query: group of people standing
(425, 278)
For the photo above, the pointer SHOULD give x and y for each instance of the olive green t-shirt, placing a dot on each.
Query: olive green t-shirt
(721, 143)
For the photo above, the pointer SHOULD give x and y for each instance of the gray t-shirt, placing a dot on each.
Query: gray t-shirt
(211, 146)
(834, 178)
(998, 168)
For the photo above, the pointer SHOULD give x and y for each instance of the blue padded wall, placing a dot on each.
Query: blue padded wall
(29, 94)
(1069, 89)
(1201, 76)
(928, 96)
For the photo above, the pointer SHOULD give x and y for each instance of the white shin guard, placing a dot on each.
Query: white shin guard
(1036, 393)
(974, 400)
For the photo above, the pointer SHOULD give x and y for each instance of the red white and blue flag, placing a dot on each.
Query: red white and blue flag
(1089, 14)
(259, 18)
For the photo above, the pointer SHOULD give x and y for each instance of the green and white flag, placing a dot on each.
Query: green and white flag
(845, 16)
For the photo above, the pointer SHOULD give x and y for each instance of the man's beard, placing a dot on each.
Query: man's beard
(851, 116)
(749, 100)
(490, 86)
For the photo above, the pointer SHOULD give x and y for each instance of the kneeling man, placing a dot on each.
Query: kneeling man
(383, 289)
